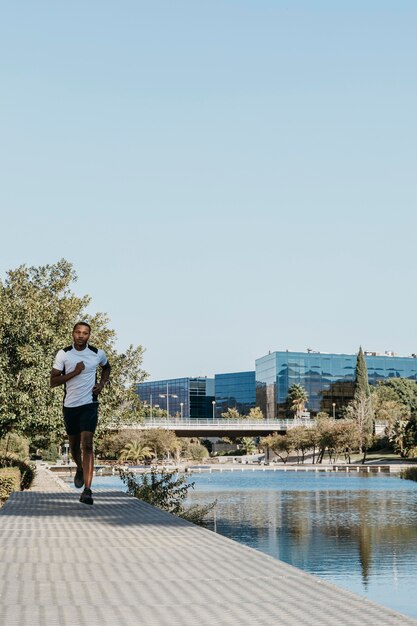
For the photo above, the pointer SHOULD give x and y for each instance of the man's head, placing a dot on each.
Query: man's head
(81, 334)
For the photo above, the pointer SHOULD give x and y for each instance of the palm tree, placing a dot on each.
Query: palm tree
(248, 445)
(135, 451)
(298, 398)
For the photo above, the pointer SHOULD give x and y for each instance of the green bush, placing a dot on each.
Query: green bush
(15, 444)
(409, 473)
(9, 482)
(51, 454)
(165, 490)
(27, 470)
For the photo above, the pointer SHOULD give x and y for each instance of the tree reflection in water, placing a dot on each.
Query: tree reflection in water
(359, 532)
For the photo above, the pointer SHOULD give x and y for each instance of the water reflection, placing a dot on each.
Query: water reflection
(363, 538)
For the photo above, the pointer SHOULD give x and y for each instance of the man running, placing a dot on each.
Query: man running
(76, 368)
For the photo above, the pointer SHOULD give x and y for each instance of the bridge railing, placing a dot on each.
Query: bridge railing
(184, 424)
(226, 425)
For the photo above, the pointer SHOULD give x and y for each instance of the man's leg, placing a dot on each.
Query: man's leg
(74, 443)
(88, 457)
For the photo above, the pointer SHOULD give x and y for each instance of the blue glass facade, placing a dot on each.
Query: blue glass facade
(235, 390)
(328, 378)
(195, 394)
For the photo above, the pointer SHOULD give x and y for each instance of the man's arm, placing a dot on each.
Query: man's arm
(105, 375)
(58, 378)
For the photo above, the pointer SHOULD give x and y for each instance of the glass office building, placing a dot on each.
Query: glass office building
(235, 390)
(189, 397)
(328, 378)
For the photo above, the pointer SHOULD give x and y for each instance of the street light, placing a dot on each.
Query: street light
(334, 409)
(213, 402)
(182, 407)
(168, 395)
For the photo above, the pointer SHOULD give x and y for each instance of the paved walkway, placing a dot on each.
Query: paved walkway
(125, 563)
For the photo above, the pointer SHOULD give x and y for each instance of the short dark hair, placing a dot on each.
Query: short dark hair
(82, 324)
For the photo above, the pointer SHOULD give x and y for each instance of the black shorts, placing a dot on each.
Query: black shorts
(81, 418)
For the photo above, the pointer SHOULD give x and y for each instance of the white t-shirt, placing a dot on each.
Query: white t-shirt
(79, 390)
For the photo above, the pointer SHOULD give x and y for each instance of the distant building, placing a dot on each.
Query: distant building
(235, 390)
(328, 378)
(189, 397)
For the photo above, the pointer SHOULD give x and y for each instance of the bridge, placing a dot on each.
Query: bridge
(227, 428)
(220, 427)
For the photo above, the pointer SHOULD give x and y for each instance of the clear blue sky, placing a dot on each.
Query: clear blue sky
(227, 178)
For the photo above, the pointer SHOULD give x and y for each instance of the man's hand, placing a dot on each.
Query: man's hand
(98, 387)
(79, 368)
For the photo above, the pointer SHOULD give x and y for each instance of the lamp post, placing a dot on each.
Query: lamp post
(213, 402)
(168, 395)
(182, 407)
(334, 409)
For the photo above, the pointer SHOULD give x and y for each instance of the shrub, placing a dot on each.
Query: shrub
(52, 453)
(165, 490)
(27, 470)
(16, 444)
(197, 452)
(9, 482)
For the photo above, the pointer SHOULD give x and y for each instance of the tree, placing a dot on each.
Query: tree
(161, 441)
(361, 411)
(299, 441)
(15, 444)
(279, 444)
(135, 451)
(37, 312)
(361, 407)
(248, 445)
(255, 414)
(197, 452)
(232, 414)
(297, 398)
(361, 377)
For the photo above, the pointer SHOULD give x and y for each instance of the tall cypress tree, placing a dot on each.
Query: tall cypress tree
(362, 389)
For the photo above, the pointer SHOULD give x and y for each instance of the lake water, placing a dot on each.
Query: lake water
(358, 531)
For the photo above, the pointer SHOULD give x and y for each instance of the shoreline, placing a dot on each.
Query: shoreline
(373, 467)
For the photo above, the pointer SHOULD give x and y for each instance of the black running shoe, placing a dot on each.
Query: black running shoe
(86, 497)
(79, 478)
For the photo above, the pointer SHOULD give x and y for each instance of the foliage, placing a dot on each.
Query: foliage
(297, 399)
(27, 470)
(146, 412)
(37, 312)
(402, 390)
(161, 441)
(232, 414)
(279, 444)
(9, 482)
(248, 445)
(51, 453)
(165, 490)
(360, 410)
(109, 444)
(300, 441)
(362, 388)
(135, 451)
(255, 414)
(197, 452)
(16, 444)
(401, 437)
